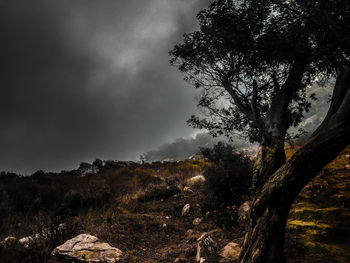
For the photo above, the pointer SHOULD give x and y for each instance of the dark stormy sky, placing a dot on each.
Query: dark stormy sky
(82, 79)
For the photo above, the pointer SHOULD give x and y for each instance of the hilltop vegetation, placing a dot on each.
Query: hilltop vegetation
(137, 208)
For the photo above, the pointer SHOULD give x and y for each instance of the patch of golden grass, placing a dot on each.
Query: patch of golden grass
(337, 163)
(300, 223)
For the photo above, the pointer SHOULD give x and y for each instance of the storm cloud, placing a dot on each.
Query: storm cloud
(86, 79)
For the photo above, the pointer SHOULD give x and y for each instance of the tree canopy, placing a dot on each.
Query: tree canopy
(253, 60)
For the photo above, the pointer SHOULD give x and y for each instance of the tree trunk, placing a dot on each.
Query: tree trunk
(272, 155)
(269, 160)
(265, 238)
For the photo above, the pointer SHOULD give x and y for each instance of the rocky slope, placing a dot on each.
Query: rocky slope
(155, 213)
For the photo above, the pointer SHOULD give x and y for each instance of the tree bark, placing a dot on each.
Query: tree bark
(269, 160)
(272, 155)
(265, 238)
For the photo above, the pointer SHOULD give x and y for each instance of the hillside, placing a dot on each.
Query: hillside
(139, 209)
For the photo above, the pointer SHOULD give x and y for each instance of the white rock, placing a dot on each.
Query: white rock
(231, 251)
(198, 179)
(88, 248)
(8, 242)
(26, 241)
(186, 210)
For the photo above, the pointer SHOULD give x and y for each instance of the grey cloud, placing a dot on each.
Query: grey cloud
(86, 79)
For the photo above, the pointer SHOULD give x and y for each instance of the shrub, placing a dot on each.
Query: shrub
(228, 178)
(157, 192)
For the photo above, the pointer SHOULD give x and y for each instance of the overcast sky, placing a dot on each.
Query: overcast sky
(86, 79)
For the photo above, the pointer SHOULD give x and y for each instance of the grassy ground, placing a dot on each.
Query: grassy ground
(318, 228)
(138, 209)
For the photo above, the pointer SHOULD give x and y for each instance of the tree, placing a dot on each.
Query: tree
(253, 61)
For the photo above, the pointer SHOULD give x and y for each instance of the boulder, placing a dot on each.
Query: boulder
(186, 210)
(206, 248)
(87, 248)
(231, 251)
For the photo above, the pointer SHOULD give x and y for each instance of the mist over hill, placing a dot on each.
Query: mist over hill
(183, 148)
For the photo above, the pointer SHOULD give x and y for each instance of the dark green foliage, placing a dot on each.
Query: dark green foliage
(253, 60)
(228, 178)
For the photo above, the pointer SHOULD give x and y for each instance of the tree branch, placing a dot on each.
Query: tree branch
(323, 146)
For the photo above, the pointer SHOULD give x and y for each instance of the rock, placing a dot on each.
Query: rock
(87, 248)
(231, 251)
(195, 181)
(186, 210)
(188, 189)
(197, 221)
(62, 227)
(206, 248)
(27, 241)
(243, 211)
(8, 242)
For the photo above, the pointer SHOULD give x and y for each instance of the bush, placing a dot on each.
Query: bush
(228, 179)
(158, 191)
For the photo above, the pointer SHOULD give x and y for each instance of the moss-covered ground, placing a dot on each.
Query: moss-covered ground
(318, 228)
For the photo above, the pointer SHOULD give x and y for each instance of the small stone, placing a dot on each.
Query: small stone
(231, 251)
(8, 242)
(188, 189)
(197, 221)
(186, 210)
(243, 211)
(62, 227)
(195, 180)
(27, 241)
